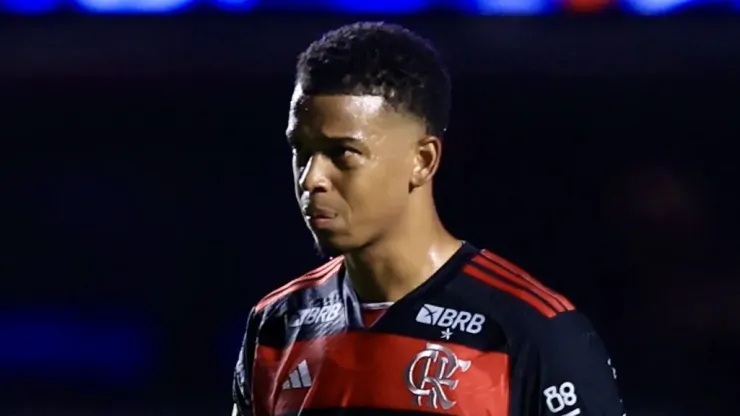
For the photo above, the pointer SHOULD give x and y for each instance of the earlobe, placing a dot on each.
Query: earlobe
(426, 161)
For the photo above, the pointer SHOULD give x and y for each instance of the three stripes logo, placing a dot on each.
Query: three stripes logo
(299, 378)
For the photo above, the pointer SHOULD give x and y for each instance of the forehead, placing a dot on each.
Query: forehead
(340, 115)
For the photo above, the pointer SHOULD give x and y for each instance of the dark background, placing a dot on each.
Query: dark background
(146, 198)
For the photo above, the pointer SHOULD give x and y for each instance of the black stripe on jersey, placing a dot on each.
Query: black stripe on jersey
(354, 411)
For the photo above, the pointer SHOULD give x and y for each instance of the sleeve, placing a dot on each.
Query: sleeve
(241, 383)
(574, 374)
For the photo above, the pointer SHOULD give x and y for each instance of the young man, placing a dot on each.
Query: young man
(406, 319)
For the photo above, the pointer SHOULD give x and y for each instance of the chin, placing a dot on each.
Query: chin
(329, 245)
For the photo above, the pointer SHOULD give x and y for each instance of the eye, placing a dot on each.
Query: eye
(341, 152)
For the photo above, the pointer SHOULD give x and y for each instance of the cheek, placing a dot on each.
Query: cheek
(378, 190)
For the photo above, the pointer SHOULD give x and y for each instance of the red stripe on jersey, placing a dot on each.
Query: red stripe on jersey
(521, 294)
(378, 371)
(312, 278)
(526, 276)
(506, 274)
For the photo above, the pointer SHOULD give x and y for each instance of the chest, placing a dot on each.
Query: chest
(364, 369)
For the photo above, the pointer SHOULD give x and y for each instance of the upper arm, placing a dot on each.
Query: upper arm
(242, 379)
(574, 373)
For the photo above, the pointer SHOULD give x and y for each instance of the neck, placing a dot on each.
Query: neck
(396, 264)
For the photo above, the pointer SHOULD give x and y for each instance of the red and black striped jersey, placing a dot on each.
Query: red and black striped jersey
(480, 337)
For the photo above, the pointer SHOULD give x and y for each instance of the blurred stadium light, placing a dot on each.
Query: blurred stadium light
(133, 6)
(473, 7)
(51, 342)
(378, 6)
(652, 7)
(504, 7)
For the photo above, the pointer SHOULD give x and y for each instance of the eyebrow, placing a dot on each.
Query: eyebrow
(292, 139)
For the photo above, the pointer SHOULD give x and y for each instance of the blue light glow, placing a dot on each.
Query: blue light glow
(474, 7)
(378, 6)
(235, 5)
(31, 6)
(56, 343)
(512, 7)
(133, 6)
(655, 7)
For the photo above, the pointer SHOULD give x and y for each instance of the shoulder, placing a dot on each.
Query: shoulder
(314, 279)
(543, 318)
(514, 290)
(537, 319)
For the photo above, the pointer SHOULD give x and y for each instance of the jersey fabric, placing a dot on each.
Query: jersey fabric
(479, 337)
(371, 312)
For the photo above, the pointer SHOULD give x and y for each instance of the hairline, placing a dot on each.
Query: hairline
(401, 109)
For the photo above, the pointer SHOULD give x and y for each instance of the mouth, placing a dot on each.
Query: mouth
(319, 219)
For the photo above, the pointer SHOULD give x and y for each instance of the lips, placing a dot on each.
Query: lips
(318, 212)
(319, 218)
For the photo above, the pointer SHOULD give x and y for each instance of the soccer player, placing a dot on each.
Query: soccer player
(406, 318)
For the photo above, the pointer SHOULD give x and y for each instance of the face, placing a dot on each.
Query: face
(353, 164)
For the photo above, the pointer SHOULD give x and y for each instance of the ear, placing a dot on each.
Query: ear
(426, 160)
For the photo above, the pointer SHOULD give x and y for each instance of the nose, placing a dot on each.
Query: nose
(314, 176)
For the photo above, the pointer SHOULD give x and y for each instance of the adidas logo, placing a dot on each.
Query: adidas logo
(298, 378)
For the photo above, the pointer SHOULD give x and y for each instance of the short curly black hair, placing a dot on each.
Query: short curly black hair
(377, 58)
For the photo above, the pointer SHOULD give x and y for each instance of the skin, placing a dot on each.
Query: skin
(363, 179)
